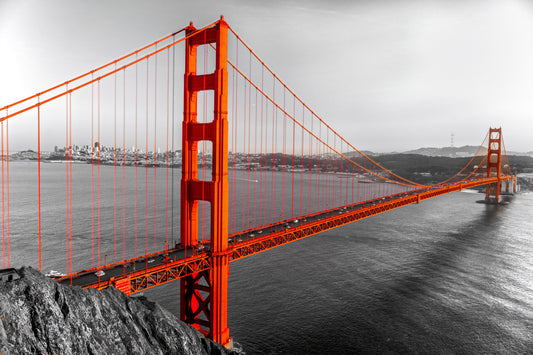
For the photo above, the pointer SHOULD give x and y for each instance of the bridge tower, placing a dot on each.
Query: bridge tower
(494, 155)
(204, 295)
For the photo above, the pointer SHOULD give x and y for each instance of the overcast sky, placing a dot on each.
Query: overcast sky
(390, 75)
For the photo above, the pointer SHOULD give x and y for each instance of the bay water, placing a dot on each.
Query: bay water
(448, 275)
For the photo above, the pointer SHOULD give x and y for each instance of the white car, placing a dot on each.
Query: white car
(54, 273)
(100, 273)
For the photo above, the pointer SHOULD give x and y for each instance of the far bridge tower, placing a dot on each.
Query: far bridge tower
(494, 156)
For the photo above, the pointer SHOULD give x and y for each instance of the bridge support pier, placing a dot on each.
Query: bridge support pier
(204, 296)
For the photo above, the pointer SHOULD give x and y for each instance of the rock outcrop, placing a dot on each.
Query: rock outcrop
(40, 316)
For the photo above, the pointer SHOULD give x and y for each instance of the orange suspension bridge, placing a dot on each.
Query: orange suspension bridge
(259, 169)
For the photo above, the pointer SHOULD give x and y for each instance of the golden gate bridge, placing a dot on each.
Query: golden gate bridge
(259, 169)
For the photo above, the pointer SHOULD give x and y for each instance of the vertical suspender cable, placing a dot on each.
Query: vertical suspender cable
(167, 152)
(146, 166)
(293, 153)
(92, 172)
(319, 171)
(155, 151)
(284, 170)
(249, 142)
(326, 149)
(136, 152)
(261, 179)
(232, 163)
(115, 169)
(334, 170)
(98, 172)
(353, 178)
(274, 154)
(172, 143)
(244, 154)
(311, 170)
(248, 134)
(234, 138)
(234, 109)
(302, 163)
(7, 178)
(124, 169)
(67, 180)
(3, 209)
(255, 164)
(70, 183)
(345, 175)
(358, 176)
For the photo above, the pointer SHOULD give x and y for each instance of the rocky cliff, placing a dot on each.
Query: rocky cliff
(39, 316)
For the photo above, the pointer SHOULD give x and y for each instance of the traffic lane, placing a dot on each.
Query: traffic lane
(121, 270)
(144, 263)
(288, 224)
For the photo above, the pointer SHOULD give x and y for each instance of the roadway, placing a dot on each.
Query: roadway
(153, 263)
(103, 274)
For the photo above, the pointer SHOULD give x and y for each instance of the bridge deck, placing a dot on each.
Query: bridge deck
(155, 269)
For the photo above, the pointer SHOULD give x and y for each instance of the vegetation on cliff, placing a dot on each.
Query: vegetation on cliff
(429, 169)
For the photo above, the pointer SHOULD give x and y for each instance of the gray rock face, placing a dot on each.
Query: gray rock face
(40, 316)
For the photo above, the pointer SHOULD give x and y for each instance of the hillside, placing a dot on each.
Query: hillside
(452, 152)
(432, 169)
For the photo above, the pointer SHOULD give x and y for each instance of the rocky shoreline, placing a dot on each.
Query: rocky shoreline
(40, 316)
